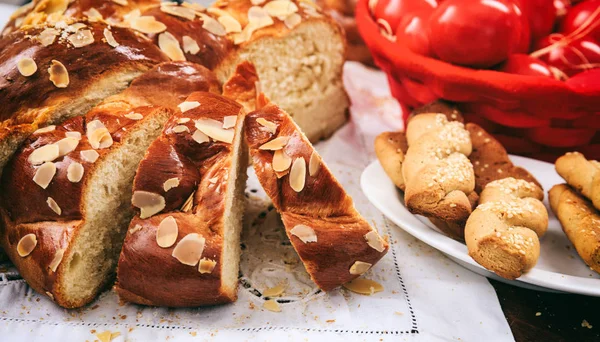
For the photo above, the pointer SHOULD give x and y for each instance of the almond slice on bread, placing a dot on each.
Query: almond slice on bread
(325, 229)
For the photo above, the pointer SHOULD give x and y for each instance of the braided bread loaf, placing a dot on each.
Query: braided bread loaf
(503, 233)
(195, 171)
(581, 174)
(438, 175)
(65, 197)
(333, 241)
(297, 50)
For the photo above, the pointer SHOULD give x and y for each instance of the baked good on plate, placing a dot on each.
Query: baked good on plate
(580, 222)
(333, 241)
(183, 247)
(581, 174)
(390, 148)
(298, 50)
(502, 233)
(52, 73)
(438, 175)
(64, 232)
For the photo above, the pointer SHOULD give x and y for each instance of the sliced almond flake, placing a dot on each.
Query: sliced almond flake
(89, 156)
(179, 11)
(110, 39)
(214, 130)
(75, 172)
(59, 75)
(217, 12)
(147, 24)
(98, 135)
(259, 17)
(75, 27)
(314, 165)
(44, 154)
(305, 233)
(170, 183)
(58, 256)
(268, 126)
(188, 105)
(229, 121)
(274, 291)
(134, 116)
(44, 174)
(280, 8)
(231, 25)
(374, 241)
(194, 6)
(81, 38)
(135, 229)
(292, 20)
(167, 232)
(298, 174)
(134, 14)
(26, 66)
(200, 137)
(49, 294)
(26, 245)
(275, 144)
(360, 267)
(93, 15)
(53, 205)
(189, 203)
(190, 45)
(183, 120)
(212, 26)
(170, 46)
(180, 129)
(121, 2)
(75, 135)
(272, 305)
(189, 249)
(244, 36)
(363, 286)
(206, 265)
(281, 161)
(47, 36)
(213, 180)
(45, 129)
(66, 146)
(149, 203)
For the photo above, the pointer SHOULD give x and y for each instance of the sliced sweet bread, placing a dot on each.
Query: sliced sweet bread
(64, 233)
(333, 241)
(57, 71)
(183, 248)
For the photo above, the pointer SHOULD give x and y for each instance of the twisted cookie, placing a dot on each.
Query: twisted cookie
(502, 234)
(438, 175)
(582, 174)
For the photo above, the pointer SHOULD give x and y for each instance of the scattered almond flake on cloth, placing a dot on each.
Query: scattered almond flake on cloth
(438, 299)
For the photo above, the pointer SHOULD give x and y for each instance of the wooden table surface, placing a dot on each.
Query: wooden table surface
(543, 316)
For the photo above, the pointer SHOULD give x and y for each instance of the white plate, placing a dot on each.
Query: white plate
(559, 268)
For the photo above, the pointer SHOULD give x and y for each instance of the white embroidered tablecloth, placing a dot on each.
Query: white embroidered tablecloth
(426, 298)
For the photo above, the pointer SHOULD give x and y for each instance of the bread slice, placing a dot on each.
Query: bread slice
(79, 220)
(200, 184)
(333, 241)
(95, 71)
(299, 63)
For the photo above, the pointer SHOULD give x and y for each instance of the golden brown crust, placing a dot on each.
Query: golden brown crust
(390, 148)
(202, 170)
(321, 204)
(581, 174)
(503, 233)
(580, 222)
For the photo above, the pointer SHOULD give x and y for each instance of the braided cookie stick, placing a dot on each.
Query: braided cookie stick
(438, 175)
(580, 222)
(582, 174)
(502, 234)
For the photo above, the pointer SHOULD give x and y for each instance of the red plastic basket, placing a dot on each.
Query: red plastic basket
(533, 116)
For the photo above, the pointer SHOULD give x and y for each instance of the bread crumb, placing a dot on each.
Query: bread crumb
(585, 324)
(538, 313)
(193, 333)
(330, 321)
